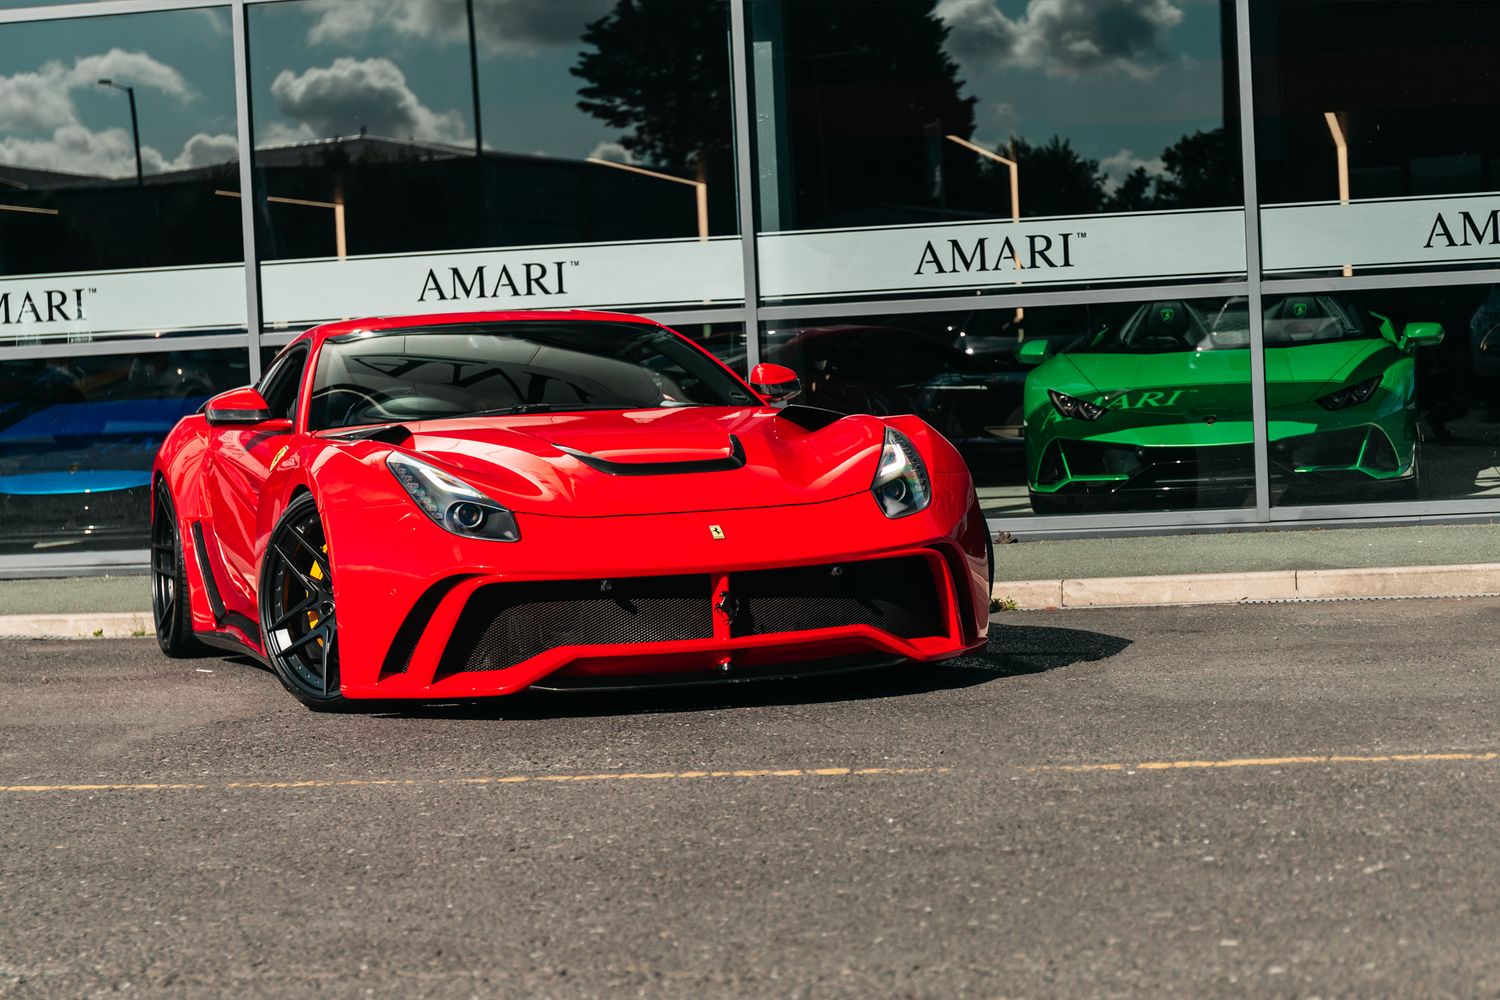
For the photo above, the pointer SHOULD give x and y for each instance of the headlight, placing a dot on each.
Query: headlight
(901, 484)
(452, 503)
(1070, 406)
(1350, 395)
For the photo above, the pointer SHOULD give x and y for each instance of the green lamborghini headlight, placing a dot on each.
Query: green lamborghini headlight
(1350, 395)
(1072, 406)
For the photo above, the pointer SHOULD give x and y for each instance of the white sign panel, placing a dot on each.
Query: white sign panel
(1392, 232)
(86, 305)
(608, 275)
(1000, 255)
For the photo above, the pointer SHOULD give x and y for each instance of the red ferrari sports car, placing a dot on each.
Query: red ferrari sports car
(473, 504)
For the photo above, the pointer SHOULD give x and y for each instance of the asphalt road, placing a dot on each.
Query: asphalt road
(1110, 803)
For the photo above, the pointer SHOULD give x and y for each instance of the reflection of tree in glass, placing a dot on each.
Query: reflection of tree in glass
(1202, 170)
(661, 69)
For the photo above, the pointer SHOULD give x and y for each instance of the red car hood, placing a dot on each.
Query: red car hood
(595, 464)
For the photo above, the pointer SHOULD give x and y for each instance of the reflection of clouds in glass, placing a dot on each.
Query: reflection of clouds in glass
(351, 94)
(501, 25)
(1122, 164)
(614, 152)
(1064, 37)
(42, 102)
(110, 152)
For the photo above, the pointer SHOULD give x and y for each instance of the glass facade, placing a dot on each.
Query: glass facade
(1148, 263)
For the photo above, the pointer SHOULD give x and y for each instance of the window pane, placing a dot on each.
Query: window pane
(1373, 144)
(951, 117)
(588, 159)
(117, 147)
(78, 435)
(1384, 395)
(1061, 410)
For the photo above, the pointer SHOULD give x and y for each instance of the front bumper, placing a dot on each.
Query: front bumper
(1105, 473)
(603, 599)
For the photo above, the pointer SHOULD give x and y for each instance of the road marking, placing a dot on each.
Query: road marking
(1148, 766)
(510, 779)
(1190, 765)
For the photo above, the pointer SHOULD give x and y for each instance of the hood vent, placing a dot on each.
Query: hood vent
(734, 460)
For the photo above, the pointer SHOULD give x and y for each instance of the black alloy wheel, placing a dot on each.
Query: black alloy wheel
(169, 593)
(298, 619)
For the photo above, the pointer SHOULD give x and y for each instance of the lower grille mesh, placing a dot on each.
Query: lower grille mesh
(895, 595)
(505, 623)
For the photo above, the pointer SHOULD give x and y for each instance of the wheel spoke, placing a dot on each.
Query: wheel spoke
(306, 638)
(291, 614)
(313, 549)
(327, 656)
(308, 584)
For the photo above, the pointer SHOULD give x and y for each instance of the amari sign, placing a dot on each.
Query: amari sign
(1381, 233)
(1001, 256)
(89, 305)
(609, 275)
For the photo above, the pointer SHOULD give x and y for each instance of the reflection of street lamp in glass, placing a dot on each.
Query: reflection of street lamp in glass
(1342, 146)
(701, 187)
(1015, 191)
(340, 244)
(135, 129)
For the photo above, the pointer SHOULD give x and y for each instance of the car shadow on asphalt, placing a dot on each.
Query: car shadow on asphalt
(1013, 651)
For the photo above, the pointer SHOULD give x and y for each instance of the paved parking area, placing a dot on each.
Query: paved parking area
(1272, 800)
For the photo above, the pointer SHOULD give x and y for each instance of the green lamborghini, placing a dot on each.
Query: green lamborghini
(1156, 412)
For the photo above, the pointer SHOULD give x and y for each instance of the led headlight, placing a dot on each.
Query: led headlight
(1071, 406)
(1350, 395)
(452, 503)
(901, 483)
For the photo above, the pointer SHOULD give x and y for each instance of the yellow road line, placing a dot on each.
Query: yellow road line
(1190, 765)
(793, 772)
(511, 779)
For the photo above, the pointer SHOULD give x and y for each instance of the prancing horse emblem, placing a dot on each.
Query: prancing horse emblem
(716, 531)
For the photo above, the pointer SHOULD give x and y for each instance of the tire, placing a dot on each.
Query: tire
(169, 590)
(298, 621)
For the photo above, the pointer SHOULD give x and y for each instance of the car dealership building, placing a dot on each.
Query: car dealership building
(1149, 263)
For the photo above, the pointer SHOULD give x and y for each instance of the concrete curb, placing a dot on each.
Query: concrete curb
(1100, 592)
(80, 625)
(1237, 588)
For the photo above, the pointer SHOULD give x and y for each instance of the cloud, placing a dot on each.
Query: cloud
(500, 25)
(1124, 163)
(43, 99)
(354, 93)
(110, 152)
(613, 152)
(41, 102)
(1064, 37)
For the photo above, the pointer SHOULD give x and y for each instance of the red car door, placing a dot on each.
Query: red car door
(239, 459)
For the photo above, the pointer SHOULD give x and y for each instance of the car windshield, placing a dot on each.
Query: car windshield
(517, 367)
(1165, 327)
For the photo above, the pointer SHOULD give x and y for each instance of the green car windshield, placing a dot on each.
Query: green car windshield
(1171, 326)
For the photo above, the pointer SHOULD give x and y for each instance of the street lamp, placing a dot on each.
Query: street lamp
(135, 129)
(1015, 193)
(701, 187)
(1341, 145)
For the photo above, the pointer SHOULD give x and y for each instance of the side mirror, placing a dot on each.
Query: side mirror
(239, 406)
(775, 381)
(1421, 335)
(1034, 352)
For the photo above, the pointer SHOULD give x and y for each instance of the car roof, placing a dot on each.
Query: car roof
(428, 320)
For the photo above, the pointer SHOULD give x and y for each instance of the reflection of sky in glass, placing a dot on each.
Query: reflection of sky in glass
(1122, 80)
(401, 70)
(54, 115)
